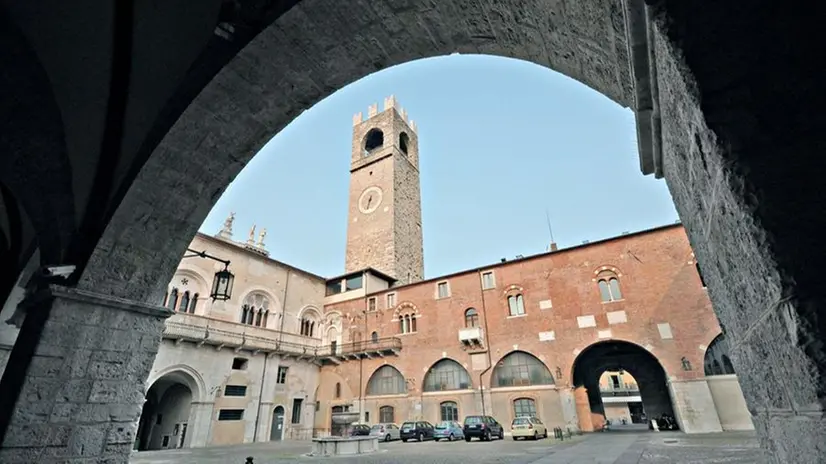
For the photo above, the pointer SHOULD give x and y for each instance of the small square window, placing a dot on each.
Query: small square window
(391, 300)
(371, 304)
(443, 291)
(239, 364)
(281, 378)
(488, 281)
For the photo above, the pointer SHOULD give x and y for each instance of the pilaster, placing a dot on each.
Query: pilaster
(83, 392)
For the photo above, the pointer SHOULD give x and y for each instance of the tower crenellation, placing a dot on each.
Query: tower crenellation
(384, 231)
(389, 103)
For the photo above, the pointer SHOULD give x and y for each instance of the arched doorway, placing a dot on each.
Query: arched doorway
(619, 356)
(166, 411)
(277, 430)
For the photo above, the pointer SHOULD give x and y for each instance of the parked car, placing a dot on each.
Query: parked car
(483, 428)
(359, 430)
(385, 432)
(418, 430)
(528, 427)
(448, 429)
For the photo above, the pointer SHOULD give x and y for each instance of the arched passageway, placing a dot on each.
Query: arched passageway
(594, 361)
(241, 72)
(165, 418)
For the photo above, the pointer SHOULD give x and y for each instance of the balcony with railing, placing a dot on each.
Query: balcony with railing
(623, 389)
(223, 334)
(336, 354)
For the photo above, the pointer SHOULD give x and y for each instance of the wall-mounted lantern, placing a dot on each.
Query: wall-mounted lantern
(686, 364)
(223, 280)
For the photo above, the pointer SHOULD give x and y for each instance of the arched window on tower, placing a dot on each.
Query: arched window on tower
(609, 288)
(184, 306)
(373, 140)
(404, 141)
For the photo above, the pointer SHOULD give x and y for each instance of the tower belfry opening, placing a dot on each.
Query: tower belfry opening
(384, 229)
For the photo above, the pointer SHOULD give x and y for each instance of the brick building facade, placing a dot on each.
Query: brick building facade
(379, 343)
(507, 338)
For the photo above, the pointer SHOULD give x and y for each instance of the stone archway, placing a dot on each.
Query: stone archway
(165, 419)
(732, 96)
(616, 355)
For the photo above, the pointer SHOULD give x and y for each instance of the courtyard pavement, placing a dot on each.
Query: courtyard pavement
(613, 447)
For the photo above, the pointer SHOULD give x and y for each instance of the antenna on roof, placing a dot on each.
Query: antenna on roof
(552, 246)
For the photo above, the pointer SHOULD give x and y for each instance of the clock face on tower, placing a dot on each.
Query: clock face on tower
(370, 200)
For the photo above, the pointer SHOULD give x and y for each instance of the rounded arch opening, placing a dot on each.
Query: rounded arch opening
(717, 359)
(165, 418)
(373, 140)
(520, 369)
(404, 142)
(386, 380)
(446, 375)
(650, 400)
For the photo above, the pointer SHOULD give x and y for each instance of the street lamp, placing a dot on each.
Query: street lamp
(223, 280)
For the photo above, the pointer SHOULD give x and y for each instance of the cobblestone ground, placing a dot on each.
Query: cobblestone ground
(603, 448)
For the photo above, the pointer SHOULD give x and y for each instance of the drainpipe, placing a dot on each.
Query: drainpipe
(487, 342)
(361, 367)
(267, 356)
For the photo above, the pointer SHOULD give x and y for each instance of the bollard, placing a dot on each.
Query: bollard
(249, 460)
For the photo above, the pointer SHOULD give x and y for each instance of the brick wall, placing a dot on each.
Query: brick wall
(659, 284)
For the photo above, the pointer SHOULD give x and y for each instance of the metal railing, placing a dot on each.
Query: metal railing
(200, 329)
(627, 389)
(382, 344)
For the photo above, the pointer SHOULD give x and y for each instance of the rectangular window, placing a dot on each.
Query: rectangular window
(371, 304)
(333, 287)
(230, 414)
(353, 283)
(296, 419)
(239, 364)
(282, 375)
(516, 305)
(488, 281)
(387, 415)
(442, 290)
(235, 390)
(391, 300)
(367, 416)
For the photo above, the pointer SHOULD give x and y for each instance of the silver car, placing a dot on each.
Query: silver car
(385, 432)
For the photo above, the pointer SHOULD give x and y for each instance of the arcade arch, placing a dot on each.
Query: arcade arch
(712, 150)
(717, 359)
(617, 355)
(167, 411)
(520, 369)
(446, 375)
(386, 380)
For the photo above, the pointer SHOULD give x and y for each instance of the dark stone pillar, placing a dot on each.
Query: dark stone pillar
(84, 389)
(744, 152)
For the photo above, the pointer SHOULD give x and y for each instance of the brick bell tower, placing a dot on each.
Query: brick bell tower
(385, 219)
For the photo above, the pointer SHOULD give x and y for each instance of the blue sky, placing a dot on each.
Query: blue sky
(501, 141)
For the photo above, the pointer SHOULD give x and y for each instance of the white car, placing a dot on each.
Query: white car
(385, 432)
